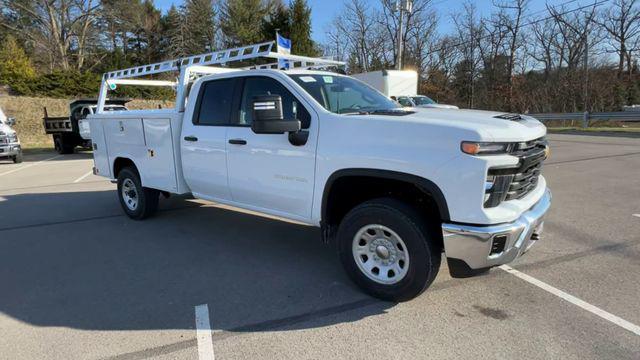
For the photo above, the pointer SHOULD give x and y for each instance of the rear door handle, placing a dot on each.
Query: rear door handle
(238, 141)
(190, 138)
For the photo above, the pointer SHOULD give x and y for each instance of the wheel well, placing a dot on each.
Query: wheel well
(121, 163)
(344, 192)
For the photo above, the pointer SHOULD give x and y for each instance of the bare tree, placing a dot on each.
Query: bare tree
(59, 28)
(511, 14)
(622, 22)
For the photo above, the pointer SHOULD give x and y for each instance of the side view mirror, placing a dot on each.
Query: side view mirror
(11, 121)
(268, 118)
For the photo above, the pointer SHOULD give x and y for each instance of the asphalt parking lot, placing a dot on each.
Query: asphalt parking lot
(79, 280)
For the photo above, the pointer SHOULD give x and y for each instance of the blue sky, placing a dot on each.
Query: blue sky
(323, 11)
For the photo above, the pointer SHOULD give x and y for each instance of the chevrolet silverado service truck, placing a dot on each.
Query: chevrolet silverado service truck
(392, 188)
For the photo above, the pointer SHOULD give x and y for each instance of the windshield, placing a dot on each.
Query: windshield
(112, 108)
(344, 95)
(422, 100)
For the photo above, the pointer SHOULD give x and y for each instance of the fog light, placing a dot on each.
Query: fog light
(498, 244)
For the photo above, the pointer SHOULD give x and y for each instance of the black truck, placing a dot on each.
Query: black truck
(70, 132)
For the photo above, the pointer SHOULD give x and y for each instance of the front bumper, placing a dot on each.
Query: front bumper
(471, 249)
(9, 150)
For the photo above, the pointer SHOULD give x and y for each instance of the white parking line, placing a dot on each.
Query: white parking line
(29, 165)
(574, 300)
(636, 215)
(83, 177)
(203, 333)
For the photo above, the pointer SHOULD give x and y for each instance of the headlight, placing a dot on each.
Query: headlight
(485, 148)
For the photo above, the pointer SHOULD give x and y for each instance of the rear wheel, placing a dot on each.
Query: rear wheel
(388, 249)
(62, 146)
(138, 202)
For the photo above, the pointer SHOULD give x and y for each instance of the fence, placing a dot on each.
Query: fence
(587, 117)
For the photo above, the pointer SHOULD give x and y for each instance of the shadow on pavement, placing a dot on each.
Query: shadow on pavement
(93, 268)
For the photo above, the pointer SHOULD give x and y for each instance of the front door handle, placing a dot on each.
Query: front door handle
(238, 141)
(190, 138)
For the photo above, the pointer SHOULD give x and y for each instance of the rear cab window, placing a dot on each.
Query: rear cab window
(215, 102)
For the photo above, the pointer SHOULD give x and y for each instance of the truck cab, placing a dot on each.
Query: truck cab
(394, 189)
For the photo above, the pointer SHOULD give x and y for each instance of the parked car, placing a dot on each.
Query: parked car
(423, 102)
(9, 143)
(72, 131)
(393, 188)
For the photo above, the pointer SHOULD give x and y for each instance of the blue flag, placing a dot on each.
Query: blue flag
(283, 47)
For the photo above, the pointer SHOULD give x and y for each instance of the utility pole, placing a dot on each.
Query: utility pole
(401, 6)
(586, 73)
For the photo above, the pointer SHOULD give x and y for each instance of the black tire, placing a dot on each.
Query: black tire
(17, 159)
(62, 146)
(419, 238)
(147, 199)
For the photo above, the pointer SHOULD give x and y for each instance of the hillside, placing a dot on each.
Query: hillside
(28, 112)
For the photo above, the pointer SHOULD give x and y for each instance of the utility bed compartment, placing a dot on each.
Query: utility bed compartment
(149, 139)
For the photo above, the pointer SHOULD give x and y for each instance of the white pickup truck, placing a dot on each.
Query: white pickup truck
(394, 189)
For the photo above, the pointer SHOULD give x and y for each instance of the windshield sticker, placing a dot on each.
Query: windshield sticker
(328, 79)
(307, 79)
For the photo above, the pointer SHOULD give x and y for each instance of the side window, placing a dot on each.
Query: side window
(214, 103)
(291, 107)
(404, 101)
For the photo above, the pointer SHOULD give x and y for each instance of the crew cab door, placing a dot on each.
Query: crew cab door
(267, 172)
(203, 140)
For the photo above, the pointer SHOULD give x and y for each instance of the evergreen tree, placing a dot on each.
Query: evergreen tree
(173, 42)
(301, 43)
(200, 26)
(15, 67)
(277, 19)
(240, 21)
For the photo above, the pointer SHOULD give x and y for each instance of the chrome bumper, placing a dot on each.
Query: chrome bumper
(470, 247)
(9, 150)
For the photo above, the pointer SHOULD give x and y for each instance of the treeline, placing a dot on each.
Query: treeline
(572, 56)
(568, 57)
(61, 48)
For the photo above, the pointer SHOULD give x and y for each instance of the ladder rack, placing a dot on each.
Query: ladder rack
(202, 64)
(223, 57)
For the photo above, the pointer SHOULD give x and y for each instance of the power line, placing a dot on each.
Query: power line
(595, 4)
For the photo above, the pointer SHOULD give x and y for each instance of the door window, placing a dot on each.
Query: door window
(291, 107)
(214, 103)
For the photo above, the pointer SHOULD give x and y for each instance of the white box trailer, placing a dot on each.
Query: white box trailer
(391, 82)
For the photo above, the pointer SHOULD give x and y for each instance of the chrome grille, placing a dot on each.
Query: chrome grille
(532, 155)
(516, 182)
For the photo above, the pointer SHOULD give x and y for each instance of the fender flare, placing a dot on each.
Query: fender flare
(424, 184)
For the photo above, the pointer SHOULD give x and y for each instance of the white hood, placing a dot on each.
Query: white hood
(438, 106)
(483, 123)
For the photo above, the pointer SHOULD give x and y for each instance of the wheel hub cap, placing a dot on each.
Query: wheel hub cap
(129, 194)
(380, 254)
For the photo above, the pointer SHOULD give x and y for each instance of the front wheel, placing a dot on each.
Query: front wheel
(138, 202)
(388, 249)
(17, 159)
